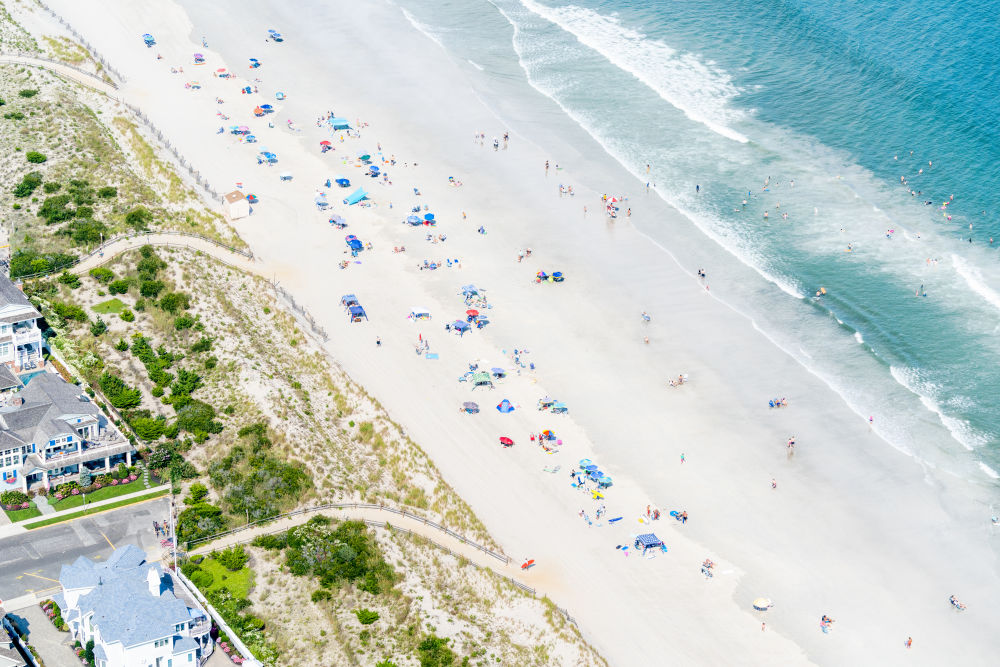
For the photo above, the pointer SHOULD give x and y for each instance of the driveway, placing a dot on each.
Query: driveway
(54, 647)
(30, 562)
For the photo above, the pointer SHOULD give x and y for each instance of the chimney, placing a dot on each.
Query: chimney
(153, 579)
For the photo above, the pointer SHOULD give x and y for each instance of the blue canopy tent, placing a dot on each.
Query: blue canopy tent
(648, 541)
(355, 244)
(373, 170)
(356, 313)
(469, 290)
(339, 124)
(460, 326)
(414, 220)
(559, 408)
(321, 201)
(356, 196)
(148, 39)
(349, 300)
(342, 182)
(428, 217)
(505, 407)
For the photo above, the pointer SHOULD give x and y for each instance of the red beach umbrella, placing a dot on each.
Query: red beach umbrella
(506, 442)
(325, 143)
(472, 312)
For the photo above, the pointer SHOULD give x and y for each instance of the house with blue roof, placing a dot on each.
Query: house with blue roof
(129, 608)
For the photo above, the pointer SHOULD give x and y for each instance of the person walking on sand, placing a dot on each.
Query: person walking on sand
(546, 167)
(378, 341)
(682, 458)
(774, 484)
(909, 642)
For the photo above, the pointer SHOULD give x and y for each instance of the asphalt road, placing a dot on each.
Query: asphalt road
(30, 563)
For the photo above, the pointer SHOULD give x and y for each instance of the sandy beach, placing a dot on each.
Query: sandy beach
(851, 528)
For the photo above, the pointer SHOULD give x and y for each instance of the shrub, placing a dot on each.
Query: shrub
(434, 652)
(69, 311)
(348, 552)
(151, 288)
(107, 192)
(127, 315)
(366, 616)
(71, 279)
(148, 429)
(34, 157)
(27, 92)
(234, 558)
(198, 417)
(13, 497)
(183, 322)
(86, 479)
(197, 493)
(203, 345)
(14, 115)
(186, 383)
(29, 262)
(85, 231)
(29, 183)
(52, 186)
(84, 212)
(98, 327)
(54, 209)
(199, 520)
(119, 286)
(102, 274)
(320, 594)
(121, 345)
(211, 363)
(138, 218)
(189, 567)
(157, 391)
(202, 579)
(174, 301)
(120, 394)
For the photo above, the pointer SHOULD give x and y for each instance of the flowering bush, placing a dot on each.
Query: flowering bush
(98, 485)
(76, 492)
(25, 506)
(114, 482)
(59, 496)
(133, 477)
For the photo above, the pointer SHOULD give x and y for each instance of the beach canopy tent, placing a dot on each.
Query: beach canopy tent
(279, 95)
(338, 220)
(505, 407)
(342, 182)
(148, 39)
(339, 124)
(414, 220)
(321, 201)
(355, 244)
(428, 217)
(469, 290)
(356, 196)
(460, 326)
(481, 380)
(559, 408)
(356, 313)
(470, 407)
(648, 541)
(349, 300)
(419, 313)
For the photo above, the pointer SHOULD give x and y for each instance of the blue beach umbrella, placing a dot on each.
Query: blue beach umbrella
(428, 216)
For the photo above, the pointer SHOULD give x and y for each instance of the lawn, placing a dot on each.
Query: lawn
(21, 515)
(238, 582)
(95, 510)
(70, 502)
(109, 306)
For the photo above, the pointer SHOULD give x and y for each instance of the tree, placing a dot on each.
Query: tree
(147, 428)
(98, 327)
(173, 301)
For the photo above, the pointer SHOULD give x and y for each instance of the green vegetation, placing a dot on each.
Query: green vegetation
(200, 520)
(108, 307)
(253, 481)
(35, 157)
(102, 275)
(27, 92)
(104, 493)
(29, 183)
(366, 616)
(94, 510)
(30, 262)
(434, 652)
(334, 555)
(69, 279)
(120, 394)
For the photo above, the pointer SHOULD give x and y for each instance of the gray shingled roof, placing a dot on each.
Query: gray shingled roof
(46, 398)
(123, 607)
(11, 295)
(7, 378)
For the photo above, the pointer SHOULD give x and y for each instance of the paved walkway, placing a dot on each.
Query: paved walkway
(42, 503)
(480, 559)
(54, 647)
(115, 248)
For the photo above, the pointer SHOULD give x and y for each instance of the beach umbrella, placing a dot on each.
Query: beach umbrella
(585, 462)
(506, 442)
(762, 604)
(343, 182)
(413, 220)
(428, 216)
(251, 139)
(364, 155)
(271, 31)
(220, 70)
(470, 406)
(266, 107)
(325, 143)
(244, 128)
(505, 407)
(198, 56)
(472, 313)
(497, 370)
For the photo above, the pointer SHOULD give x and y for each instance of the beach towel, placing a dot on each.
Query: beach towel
(431, 355)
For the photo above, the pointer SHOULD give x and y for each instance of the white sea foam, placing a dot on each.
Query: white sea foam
(858, 337)
(990, 472)
(974, 279)
(424, 28)
(474, 64)
(960, 429)
(698, 89)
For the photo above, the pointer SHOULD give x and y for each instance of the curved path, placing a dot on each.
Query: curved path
(116, 247)
(511, 570)
(68, 71)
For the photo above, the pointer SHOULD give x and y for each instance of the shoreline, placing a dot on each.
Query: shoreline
(589, 333)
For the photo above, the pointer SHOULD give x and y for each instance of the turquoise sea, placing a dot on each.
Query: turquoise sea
(810, 109)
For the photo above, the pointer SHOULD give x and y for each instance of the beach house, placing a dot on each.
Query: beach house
(20, 337)
(133, 612)
(237, 205)
(50, 432)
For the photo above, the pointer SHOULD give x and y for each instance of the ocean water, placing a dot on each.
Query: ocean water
(811, 112)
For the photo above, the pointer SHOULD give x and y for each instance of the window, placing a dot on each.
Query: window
(190, 657)
(179, 627)
(160, 642)
(4, 349)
